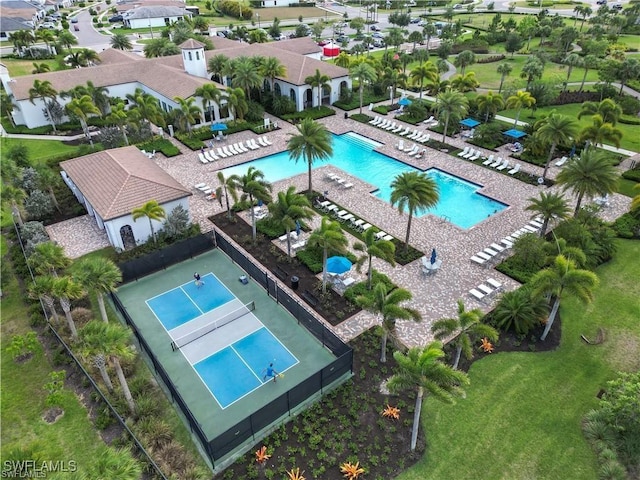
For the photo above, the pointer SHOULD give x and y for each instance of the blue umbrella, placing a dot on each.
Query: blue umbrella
(433, 256)
(218, 127)
(338, 265)
(404, 101)
(514, 133)
(470, 122)
(297, 228)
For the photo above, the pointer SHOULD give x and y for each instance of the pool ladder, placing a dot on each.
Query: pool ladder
(446, 218)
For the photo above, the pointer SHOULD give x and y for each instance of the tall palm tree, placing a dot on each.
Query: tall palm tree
(465, 83)
(330, 237)
(413, 191)
(386, 306)
(490, 103)
(588, 62)
(519, 101)
(312, 144)
(464, 59)
(113, 341)
(210, 94)
(67, 39)
(245, 75)
(608, 110)
(88, 56)
(99, 96)
(66, 290)
(563, 277)
(319, 81)
(227, 187)
(372, 247)
(289, 208)
(147, 106)
(48, 258)
(465, 329)
(363, 73)
(422, 370)
(572, 60)
(152, 211)
(599, 132)
(42, 289)
(253, 187)
(425, 72)
(451, 105)
(218, 64)
(120, 41)
(81, 108)
(557, 129)
(548, 205)
(40, 67)
(504, 69)
(591, 174)
(186, 113)
(98, 275)
(120, 117)
(343, 60)
(271, 68)
(520, 311)
(236, 101)
(429, 31)
(44, 90)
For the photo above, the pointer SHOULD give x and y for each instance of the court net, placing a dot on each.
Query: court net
(215, 324)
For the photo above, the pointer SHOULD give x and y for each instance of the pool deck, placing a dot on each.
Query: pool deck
(435, 296)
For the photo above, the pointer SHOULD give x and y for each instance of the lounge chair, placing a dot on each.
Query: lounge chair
(409, 149)
(429, 120)
(323, 205)
(357, 224)
(514, 170)
(469, 154)
(486, 289)
(340, 213)
(484, 255)
(213, 155)
(341, 181)
(346, 217)
(365, 227)
(331, 208)
(200, 186)
(503, 166)
(388, 238)
(400, 145)
(261, 142)
(376, 119)
(227, 152)
(530, 229)
(292, 235)
(496, 247)
(332, 176)
(232, 150)
(207, 191)
(380, 234)
(475, 156)
(496, 163)
(240, 146)
(250, 145)
(464, 152)
(398, 129)
(391, 127)
(478, 260)
(414, 152)
(490, 251)
(494, 283)
(384, 123)
(202, 158)
(478, 295)
(490, 160)
(208, 156)
(298, 245)
(266, 140)
(562, 161)
(348, 185)
(423, 138)
(405, 132)
(414, 134)
(221, 153)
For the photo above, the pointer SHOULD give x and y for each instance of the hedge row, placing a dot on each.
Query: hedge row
(633, 175)
(491, 59)
(313, 112)
(162, 145)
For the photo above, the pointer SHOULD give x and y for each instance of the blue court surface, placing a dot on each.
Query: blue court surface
(188, 301)
(236, 370)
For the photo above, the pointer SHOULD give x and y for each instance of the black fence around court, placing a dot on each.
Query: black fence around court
(251, 426)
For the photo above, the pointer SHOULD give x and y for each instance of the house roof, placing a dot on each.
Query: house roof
(8, 24)
(119, 180)
(155, 11)
(191, 44)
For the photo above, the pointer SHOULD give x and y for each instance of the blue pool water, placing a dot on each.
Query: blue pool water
(460, 202)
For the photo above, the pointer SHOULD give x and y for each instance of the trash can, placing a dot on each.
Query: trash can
(346, 115)
(295, 281)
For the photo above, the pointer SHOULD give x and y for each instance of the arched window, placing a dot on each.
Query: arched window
(292, 95)
(277, 90)
(190, 56)
(266, 85)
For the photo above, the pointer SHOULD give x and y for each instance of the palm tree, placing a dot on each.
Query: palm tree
(218, 64)
(98, 275)
(386, 306)
(420, 369)
(40, 67)
(81, 108)
(572, 60)
(518, 310)
(120, 41)
(271, 68)
(465, 330)
(48, 258)
(236, 102)
(608, 110)
(210, 94)
(112, 341)
(89, 56)
(66, 290)
(152, 211)
(413, 191)
(464, 59)
(560, 278)
(429, 30)
(490, 103)
(319, 81)
(330, 237)
(425, 72)
(253, 187)
(599, 132)
(588, 62)
(372, 247)
(258, 35)
(99, 96)
(312, 143)
(557, 130)
(185, 114)
(519, 101)
(46, 36)
(15, 197)
(147, 106)
(548, 205)
(363, 72)
(343, 60)
(67, 39)
(119, 117)
(504, 69)
(451, 105)
(42, 289)
(227, 187)
(245, 75)
(466, 83)
(590, 174)
(288, 209)
(44, 90)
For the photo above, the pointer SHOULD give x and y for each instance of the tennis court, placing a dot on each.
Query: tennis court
(226, 344)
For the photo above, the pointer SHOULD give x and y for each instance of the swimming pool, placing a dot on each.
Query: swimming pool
(460, 203)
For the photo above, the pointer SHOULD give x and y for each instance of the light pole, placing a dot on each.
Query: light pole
(258, 17)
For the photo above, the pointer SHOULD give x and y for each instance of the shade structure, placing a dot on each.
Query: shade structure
(433, 256)
(338, 265)
(513, 133)
(331, 50)
(404, 101)
(218, 127)
(470, 122)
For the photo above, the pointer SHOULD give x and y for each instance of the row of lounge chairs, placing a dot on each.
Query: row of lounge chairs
(344, 216)
(431, 121)
(207, 156)
(208, 192)
(470, 154)
(339, 180)
(500, 164)
(149, 154)
(484, 292)
(495, 250)
(413, 151)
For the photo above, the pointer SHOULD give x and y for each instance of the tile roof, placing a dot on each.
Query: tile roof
(155, 11)
(117, 181)
(191, 44)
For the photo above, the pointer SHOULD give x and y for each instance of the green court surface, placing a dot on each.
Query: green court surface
(214, 420)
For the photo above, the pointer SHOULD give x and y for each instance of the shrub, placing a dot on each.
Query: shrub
(191, 141)
(255, 112)
(22, 346)
(491, 59)
(163, 145)
(38, 205)
(627, 226)
(269, 227)
(633, 175)
(630, 105)
(360, 289)
(311, 112)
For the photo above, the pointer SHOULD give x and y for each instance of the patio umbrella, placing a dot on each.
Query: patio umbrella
(433, 256)
(404, 101)
(513, 133)
(218, 127)
(338, 265)
(297, 228)
(470, 122)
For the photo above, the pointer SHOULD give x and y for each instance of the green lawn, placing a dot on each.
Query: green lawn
(630, 139)
(19, 67)
(521, 418)
(39, 150)
(627, 187)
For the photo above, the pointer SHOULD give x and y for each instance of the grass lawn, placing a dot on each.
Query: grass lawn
(39, 150)
(521, 418)
(19, 67)
(627, 187)
(630, 139)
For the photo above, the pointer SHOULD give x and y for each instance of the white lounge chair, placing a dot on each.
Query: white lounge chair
(484, 255)
(486, 289)
(384, 124)
(464, 152)
(208, 156)
(414, 134)
(405, 132)
(496, 247)
(503, 166)
(469, 154)
(266, 140)
(429, 120)
(398, 129)
(414, 152)
(240, 146)
(340, 213)
(478, 260)
(200, 186)
(221, 153)
(344, 218)
(323, 205)
(422, 138)
(250, 145)
(562, 161)
(490, 251)
(261, 142)
(227, 152)
(348, 185)
(380, 234)
(475, 156)
(366, 227)
(232, 149)
(202, 158)
(494, 283)
(496, 163)
(409, 149)
(490, 160)
(332, 176)
(478, 295)
(428, 138)
(514, 170)
(377, 119)
(400, 145)
(388, 238)
(391, 127)
(357, 224)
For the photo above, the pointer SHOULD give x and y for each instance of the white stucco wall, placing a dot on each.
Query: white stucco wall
(159, 22)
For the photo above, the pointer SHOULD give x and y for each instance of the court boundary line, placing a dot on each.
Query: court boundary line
(197, 306)
(243, 361)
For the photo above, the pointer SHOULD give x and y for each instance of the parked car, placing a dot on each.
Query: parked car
(115, 18)
(601, 2)
(342, 38)
(76, 28)
(74, 20)
(457, 6)
(322, 43)
(616, 6)
(415, 20)
(377, 35)
(375, 28)
(48, 25)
